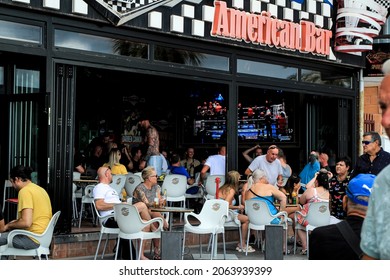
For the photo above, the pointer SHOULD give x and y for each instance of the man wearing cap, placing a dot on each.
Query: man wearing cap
(375, 237)
(328, 242)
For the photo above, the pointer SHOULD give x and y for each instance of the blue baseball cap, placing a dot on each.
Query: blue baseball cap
(359, 188)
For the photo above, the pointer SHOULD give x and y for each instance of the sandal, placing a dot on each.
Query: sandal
(243, 250)
(303, 252)
(287, 253)
(156, 255)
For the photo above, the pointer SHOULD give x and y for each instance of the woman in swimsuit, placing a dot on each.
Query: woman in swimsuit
(227, 192)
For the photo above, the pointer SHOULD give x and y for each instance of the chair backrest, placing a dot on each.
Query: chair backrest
(8, 192)
(318, 214)
(258, 212)
(47, 235)
(132, 181)
(140, 175)
(176, 186)
(214, 212)
(128, 218)
(88, 193)
(76, 175)
(74, 189)
(118, 183)
(211, 184)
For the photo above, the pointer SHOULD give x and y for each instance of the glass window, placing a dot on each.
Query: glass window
(266, 69)
(20, 32)
(326, 78)
(191, 58)
(86, 42)
(26, 81)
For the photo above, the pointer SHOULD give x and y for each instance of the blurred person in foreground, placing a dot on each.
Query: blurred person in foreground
(327, 242)
(375, 236)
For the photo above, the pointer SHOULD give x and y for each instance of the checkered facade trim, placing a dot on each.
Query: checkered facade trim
(123, 6)
(198, 13)
(384, 3)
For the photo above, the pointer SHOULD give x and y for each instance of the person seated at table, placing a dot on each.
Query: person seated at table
(227, 192)
(146, 192)
(106, 197)
(320, 192)
(78, 161)
(260, 189)
(291, 190)
(95, 161)
(136, 156)
(177, 168)
(266, 192)
(114, 164)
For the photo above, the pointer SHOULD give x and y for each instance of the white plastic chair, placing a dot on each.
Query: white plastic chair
(259, 216)
(118, 183)
(132, 181)
(176, 186)
(44, 240)
(87, 198)
(317, 215)
(210, 185)
(131, 226)
(103, 230)
(212, 219)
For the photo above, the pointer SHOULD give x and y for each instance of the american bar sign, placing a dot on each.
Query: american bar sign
(264, 30)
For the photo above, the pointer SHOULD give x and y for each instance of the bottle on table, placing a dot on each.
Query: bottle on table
(294, 196)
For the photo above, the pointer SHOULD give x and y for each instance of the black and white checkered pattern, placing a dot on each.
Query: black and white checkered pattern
(126, 5)
(384, 3)
(316, 11)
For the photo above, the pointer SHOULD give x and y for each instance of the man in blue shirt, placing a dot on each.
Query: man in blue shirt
(176, 168)
(310, 169)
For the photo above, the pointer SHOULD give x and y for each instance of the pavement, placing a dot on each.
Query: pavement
(193, 253)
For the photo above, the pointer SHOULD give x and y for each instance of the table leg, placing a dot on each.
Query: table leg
(170, 220)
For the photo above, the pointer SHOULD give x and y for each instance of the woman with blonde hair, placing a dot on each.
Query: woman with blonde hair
(146, 192)
(227, 192)
(114, 164)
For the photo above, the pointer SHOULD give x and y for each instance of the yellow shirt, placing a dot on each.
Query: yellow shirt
(35, 197)
(117, 169)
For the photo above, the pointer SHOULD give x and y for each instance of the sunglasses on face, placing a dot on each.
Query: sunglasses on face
(367, 142)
